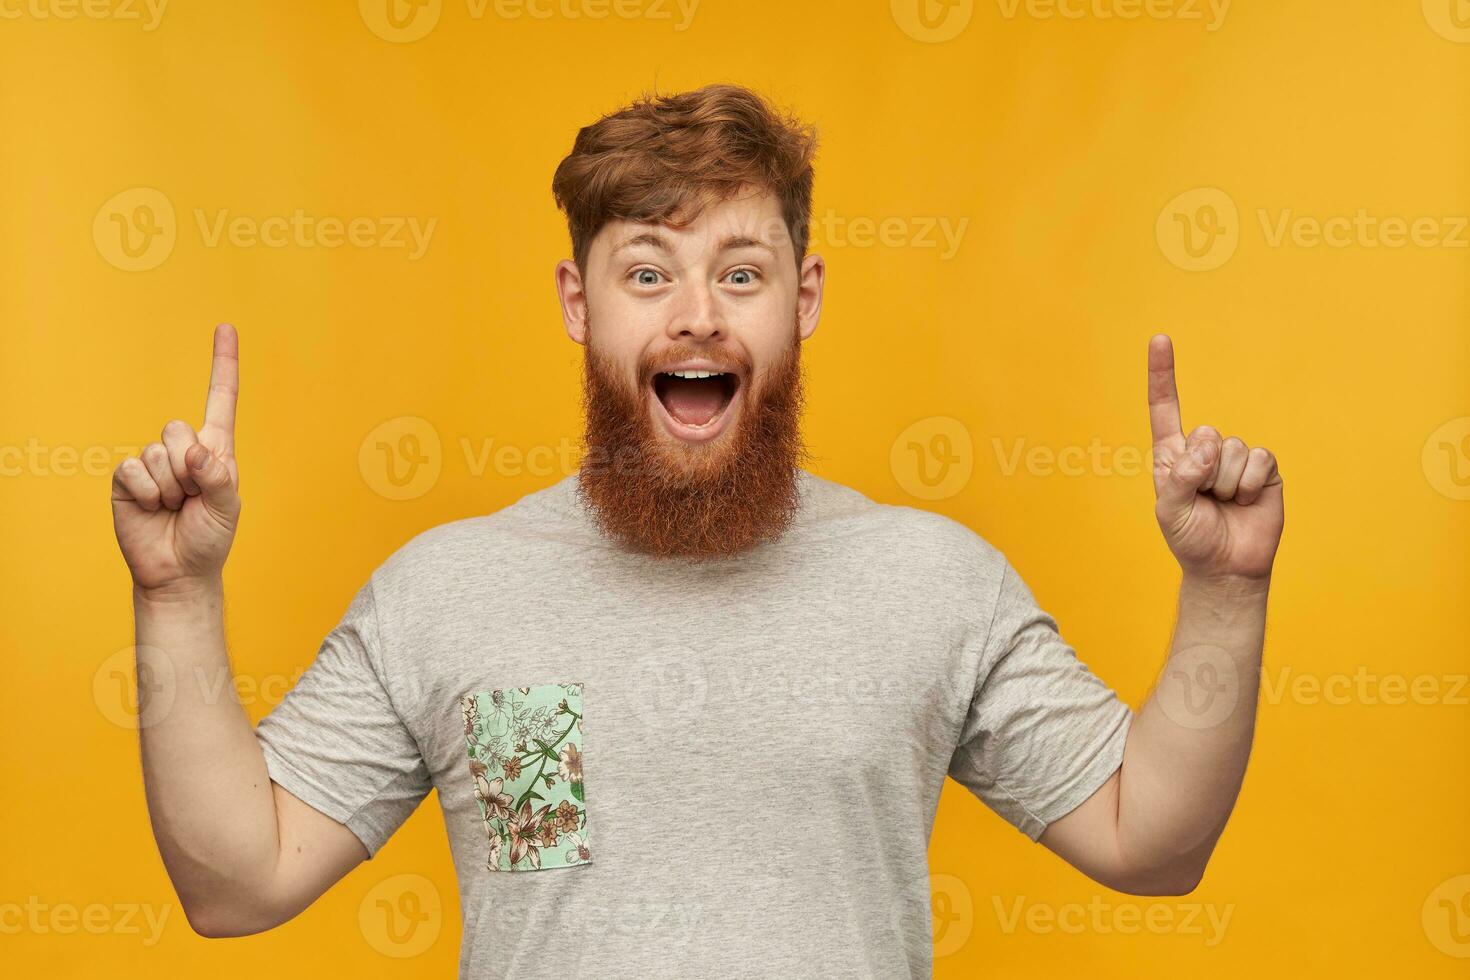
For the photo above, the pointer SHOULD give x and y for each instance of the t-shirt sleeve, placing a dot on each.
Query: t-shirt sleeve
(336, 741)
(1042, 732)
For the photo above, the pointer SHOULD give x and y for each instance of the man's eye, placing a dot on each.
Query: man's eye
(645, 277)
(750, 276)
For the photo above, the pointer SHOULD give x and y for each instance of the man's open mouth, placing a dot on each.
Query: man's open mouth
(695, 399)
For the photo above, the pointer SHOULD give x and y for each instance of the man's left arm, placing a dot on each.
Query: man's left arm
(1150, 829)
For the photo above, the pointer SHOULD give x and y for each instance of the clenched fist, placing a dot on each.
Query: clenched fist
(1219, 502)
(175, 507)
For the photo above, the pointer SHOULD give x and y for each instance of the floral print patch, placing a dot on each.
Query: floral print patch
(526, 762)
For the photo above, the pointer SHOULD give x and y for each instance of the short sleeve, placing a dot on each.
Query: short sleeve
(1042, 732)
(336, 741)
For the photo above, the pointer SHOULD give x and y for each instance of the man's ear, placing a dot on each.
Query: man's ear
(573, 298)
(809, 294)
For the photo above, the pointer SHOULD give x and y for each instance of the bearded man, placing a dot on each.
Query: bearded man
(688, 710)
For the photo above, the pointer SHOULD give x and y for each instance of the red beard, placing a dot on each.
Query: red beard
(696, 501)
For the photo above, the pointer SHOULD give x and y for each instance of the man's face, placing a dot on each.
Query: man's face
(692, 372)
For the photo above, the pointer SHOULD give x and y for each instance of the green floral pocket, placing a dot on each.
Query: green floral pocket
(526, 762)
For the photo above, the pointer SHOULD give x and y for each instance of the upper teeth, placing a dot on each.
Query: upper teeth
(696, 374)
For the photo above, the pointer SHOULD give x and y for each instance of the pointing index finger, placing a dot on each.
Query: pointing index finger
(224, 381)
(1163, 395)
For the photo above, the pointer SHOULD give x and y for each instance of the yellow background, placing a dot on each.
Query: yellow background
(1059, 140)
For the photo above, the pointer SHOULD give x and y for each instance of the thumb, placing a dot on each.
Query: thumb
(1179, 489)
(213, 478)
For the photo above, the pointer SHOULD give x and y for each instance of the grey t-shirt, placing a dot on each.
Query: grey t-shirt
(744, 757)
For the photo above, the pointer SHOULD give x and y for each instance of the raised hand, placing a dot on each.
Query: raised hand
(176, 505)
(1219, 502)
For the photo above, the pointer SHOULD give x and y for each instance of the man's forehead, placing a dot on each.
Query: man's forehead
(749, 219)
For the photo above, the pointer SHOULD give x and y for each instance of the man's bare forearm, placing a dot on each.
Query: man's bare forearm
(209, 796)
(1188, 747)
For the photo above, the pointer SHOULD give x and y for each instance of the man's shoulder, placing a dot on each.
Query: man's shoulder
(894, 531)
(483, 541)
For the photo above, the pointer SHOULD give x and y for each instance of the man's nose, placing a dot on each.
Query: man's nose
(698, 318)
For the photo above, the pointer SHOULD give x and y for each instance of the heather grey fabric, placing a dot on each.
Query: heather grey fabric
(764, 738)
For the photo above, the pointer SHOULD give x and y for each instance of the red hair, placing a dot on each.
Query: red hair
(662, 159)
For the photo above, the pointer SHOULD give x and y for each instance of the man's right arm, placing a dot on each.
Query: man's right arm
(244, 855)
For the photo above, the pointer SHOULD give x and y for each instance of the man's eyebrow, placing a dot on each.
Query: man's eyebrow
(643, 238)
(742, 241)
(655, 240)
